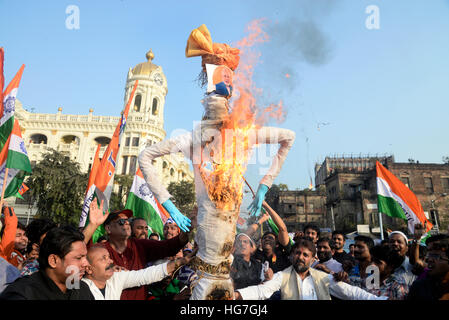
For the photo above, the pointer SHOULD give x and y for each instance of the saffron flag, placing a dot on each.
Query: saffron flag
(145, 205)
(104, 177)
(396, 200)
(90, 188)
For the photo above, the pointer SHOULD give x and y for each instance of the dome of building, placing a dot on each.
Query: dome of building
(145, 68)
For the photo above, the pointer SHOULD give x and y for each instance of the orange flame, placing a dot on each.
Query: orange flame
(225, 181)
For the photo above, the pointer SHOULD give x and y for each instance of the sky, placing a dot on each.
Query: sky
(350, 90)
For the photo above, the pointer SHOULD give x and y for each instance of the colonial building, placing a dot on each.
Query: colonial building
(79, 135)
(351, 192)
(298, 208)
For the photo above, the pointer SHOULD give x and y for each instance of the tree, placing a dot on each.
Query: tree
(183, 193)
(59, 187)
(118, 199)
(446, 160)
(283, 187)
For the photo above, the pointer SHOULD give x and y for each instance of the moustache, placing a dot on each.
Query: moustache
(111, 266)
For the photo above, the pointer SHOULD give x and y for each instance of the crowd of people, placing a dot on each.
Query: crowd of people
(45, 261)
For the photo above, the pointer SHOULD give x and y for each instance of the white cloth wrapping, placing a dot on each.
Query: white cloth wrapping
(216, 228)
(127, 279)
(340, 290)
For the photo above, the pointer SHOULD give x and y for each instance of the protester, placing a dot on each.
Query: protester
(434, 286)
(300, 282)
(154, 236)
(398, 242)
(8, 273)
(312, 231)
(275, 247)
(390, 285)
(36, 232)
(357, 275)
(351, 250)
(107, 284)
(139, 228)
(170, 288)
(326, 263)
(340, 254)
(8, 233)
(18, 255)
(126, 252)
(62, 260)
(245, 269)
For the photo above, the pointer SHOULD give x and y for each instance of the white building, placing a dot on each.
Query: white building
(79, 135)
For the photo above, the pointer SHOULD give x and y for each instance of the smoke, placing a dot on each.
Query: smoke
(295, 41)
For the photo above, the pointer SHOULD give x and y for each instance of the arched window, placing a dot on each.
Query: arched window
(104, 141)
(164, 165)
(137, 103)
(154, 110)
(172, 172)
(38, 139)
(69, 139)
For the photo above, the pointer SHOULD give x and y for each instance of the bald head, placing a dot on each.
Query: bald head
(96, 250)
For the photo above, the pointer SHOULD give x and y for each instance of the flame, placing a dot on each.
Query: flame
(287, 75)
(225, 179)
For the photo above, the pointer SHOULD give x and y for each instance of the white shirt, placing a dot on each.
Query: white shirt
(332, 264)
(127, 279)
(340, 290)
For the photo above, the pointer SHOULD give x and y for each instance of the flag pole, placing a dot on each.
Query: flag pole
(381, 227)
(4, 186)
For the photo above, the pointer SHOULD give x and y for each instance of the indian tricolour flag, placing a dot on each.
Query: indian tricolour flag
(144, 204)
(396, 200)
(14, 157)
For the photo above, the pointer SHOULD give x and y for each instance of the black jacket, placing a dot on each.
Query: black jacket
(245, 274)
(39, 286)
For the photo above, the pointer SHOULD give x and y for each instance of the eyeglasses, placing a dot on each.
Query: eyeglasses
(122, 221)
(435, 257)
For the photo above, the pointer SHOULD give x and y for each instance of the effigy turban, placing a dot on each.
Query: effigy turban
(200, 43)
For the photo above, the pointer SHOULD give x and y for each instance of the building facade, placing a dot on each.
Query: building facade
(78, 135)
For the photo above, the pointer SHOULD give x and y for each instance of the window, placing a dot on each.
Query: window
(434, 218)
(154, 108)
(172, 172)
(406, 181)
(428, 184)
(135, 142)
(137, 103)
(132, 165)
(125, 164)
(127, 140)
(445, 183)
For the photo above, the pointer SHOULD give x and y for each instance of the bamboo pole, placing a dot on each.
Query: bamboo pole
(4, 187)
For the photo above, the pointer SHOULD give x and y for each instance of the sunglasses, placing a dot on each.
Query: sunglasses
(122, 221)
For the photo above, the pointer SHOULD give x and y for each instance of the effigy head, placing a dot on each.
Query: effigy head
(213, 55)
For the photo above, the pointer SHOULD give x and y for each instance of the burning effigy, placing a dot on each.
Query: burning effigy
(219, 148)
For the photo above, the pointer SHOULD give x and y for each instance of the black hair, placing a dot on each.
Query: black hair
(366, 240)
(154, 234)
(137, 219)
(37, 228)
(305, 243)
(351, 245)
(58, 241)
(339, 232)
(436, 237)
(385, 253)
(328, 240)
(269, 232)
(313, 227)
(21, 226)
